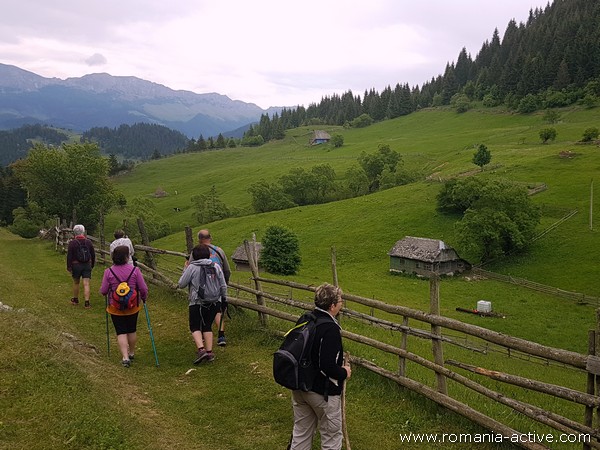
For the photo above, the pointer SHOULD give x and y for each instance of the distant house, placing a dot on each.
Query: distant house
(320, 137)
(240, 258)
(422, 256)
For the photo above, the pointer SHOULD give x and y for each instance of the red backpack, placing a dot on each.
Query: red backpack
(123, 297)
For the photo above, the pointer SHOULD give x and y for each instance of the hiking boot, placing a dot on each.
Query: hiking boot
(74, 301)
(210, 356)
(221, 341)
(202, 355)
(87, 305)
(126, 363)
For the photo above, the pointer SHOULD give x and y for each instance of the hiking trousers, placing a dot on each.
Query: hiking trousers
(310, 410)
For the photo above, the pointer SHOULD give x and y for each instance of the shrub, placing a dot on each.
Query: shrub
(281, 252)
(364, 120)
(590, 134)
(528, 104)
(547, 134)
(337, 140)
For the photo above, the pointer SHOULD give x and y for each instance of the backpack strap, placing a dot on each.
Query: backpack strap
(130, 273)
(217, 252)
(115, 275)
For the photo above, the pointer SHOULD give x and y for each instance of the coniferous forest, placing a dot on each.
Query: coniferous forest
(552, 60)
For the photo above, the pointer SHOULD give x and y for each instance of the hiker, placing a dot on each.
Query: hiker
(322, 404)
(122, 239)
(217, 255)
(81, 259)
(207, 288)
(124, 318)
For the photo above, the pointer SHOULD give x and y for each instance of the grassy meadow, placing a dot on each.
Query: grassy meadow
(61, 390)
(440, 144)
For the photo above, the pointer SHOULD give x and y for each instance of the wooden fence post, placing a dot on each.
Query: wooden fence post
(257, 284)
(189, 239)
(436, 330)
(335, 276)
(146, 242)
(102, 239)
(591, 388)
(334, 266)
(596, 352)
(403, 345)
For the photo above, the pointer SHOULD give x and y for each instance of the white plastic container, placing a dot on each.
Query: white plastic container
(484, 306)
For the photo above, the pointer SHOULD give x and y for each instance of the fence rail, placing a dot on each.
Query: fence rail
(278, 305)
(577, 296)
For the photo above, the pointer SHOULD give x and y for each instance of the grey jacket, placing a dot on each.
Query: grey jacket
(190, 278)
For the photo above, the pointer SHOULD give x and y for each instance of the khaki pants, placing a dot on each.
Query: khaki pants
(311, 409)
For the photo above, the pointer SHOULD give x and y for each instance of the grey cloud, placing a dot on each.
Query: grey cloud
(96, 60)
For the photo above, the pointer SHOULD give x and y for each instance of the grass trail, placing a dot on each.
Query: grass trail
(60, 390)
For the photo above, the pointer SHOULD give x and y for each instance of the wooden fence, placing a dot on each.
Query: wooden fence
(577, 296)
(283, 299)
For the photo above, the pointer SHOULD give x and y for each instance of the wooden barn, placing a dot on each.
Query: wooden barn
(240, 258)
(320, 137)
(422, 257)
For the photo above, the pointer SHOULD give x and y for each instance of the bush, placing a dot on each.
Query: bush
(590, 134)
(253, 141)
(528, 104)
(337, 140)
(547, 134)
(24, 228)
(364, 120)
(281, 251)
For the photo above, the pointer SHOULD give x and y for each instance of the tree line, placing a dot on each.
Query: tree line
(139, 141)
(552, 60)
(15, 143)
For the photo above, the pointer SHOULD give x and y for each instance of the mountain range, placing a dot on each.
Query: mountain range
(103, 100)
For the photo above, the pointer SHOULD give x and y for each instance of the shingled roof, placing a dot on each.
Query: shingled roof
(240, 253)
(423, 249)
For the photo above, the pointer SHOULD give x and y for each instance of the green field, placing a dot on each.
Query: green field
(364, 229)
(53, 388)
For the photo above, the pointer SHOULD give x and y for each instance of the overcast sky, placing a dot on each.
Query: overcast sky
(268, 52)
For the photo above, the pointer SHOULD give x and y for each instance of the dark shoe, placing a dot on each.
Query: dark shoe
(202, 355)
(221, 341)
(74, 301)
(131, 357)
(87, 305)
(126, 363)
(210, 356)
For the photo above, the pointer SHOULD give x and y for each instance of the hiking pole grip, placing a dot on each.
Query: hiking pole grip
(343, 401)
(151, 334)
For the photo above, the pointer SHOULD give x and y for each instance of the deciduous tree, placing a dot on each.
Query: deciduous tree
(68, 181)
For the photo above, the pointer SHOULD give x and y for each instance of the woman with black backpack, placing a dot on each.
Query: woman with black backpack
(81, 259)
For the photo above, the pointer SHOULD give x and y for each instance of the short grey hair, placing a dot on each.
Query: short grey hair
(78, 230)
(327, 295)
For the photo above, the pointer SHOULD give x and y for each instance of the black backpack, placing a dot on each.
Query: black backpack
(292, 365)
(83, 252)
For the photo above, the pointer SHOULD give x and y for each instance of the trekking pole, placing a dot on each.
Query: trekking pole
(151, 334)
(343, 400)
(107, 336)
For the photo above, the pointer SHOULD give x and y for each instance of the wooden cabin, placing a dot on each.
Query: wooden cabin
(319, 137)
(240, 258)
(423, 257)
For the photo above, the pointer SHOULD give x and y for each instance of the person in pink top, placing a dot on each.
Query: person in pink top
(124, 320)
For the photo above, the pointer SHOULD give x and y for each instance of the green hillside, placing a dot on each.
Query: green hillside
(439, 143)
